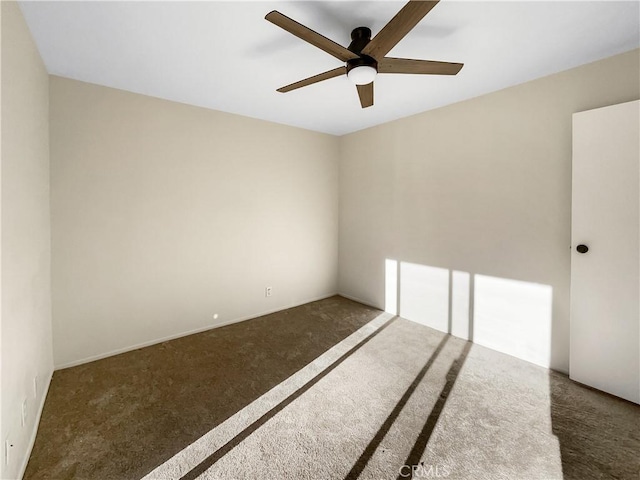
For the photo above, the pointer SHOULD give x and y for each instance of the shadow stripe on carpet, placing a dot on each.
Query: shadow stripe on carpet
(193, 454)
(373, 445)
(234, 442)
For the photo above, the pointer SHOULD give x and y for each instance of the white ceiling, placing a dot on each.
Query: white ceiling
(225, 56)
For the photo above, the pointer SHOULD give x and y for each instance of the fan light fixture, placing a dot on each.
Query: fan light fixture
(362, 75)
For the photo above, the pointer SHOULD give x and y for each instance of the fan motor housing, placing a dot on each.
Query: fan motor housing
(359, 38)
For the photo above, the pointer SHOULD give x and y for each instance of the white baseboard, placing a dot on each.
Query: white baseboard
(36, 424)
(187, 333)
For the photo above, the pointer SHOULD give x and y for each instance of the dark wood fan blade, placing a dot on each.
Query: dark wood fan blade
(365, 92)
(308, 35)
(394, 31)
(336, 72)
(421, 67)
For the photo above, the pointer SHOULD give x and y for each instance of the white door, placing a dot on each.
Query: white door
(605, 285)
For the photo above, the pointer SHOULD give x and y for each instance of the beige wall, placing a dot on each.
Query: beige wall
(481, 188)
(165, 214)
(25, 239)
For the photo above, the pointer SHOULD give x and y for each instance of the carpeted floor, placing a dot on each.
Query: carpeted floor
(329, 390)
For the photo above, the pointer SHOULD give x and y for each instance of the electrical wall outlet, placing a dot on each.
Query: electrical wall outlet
(267, 291)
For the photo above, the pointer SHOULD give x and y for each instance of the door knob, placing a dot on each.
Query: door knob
(582, 248)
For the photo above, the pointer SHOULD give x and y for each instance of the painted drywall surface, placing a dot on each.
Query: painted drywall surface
(26, 290)
(481, 189)
(164, 215)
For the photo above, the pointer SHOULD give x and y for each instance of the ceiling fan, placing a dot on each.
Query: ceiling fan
(365, 56)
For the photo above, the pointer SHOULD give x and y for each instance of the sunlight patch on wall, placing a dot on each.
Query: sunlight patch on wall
(424, 295)
(513, 317)
(460, 303)
(391, 286)
(510, 316)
